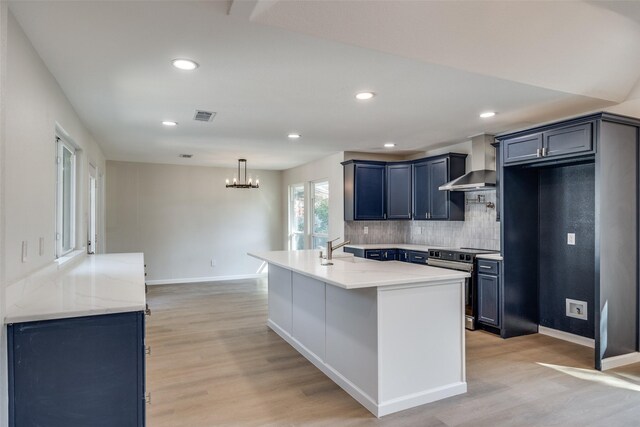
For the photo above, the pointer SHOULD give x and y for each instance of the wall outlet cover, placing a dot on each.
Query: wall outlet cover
(571, 238)
(366, 230)
(576, 309)
(24, 251)
(41, 249)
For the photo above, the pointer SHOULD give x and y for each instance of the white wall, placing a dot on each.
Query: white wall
(32, 104)
(328, 168)
(183, 216)
(3, 329)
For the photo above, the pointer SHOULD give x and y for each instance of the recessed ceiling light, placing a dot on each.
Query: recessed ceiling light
(169, 123)
(487, 114)
(389, 145)
(363, 96)
(185, 64)
(294, 136)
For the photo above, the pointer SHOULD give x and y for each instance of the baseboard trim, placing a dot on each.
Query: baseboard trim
(205, 279)
(622, 360)
(566, 336)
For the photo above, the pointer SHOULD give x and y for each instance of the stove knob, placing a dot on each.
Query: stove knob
(468, 257)
(461, 257)
(437, 254)
(431, 253)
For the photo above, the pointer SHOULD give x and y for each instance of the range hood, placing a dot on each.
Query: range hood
(483, 174)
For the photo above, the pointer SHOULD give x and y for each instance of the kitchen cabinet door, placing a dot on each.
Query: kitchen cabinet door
(488, 299)
(522, 148)
(85, 371)
(403, 255)
(438, 200)
(421, 190)
(399, 191)
(568, 140)
(369, 192)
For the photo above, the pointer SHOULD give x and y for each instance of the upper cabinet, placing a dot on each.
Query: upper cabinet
(399, 191)
(556, 143)
(403, 190)
(364, 190)
(429, 202)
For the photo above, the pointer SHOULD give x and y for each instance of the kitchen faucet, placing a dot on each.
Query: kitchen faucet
(331, 248)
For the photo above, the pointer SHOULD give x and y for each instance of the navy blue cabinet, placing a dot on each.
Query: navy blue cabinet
(429, 202)
(78, 372)
(488, 288)
(403, 255)
(399, 191)
(381, 254)
(564, 141)
(418, 257)
(364, 190)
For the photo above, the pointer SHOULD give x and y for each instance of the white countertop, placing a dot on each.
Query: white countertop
(405, 246)
(97, 284)
(354, 272)
(494, 257)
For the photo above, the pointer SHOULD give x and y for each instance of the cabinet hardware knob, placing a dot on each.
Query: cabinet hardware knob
(544, 151)
(147, 350)
(537, 152)
(147, 398)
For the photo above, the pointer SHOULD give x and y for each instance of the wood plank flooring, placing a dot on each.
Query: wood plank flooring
(214, 362)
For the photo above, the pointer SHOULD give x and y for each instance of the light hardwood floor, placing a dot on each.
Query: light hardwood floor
(214, 362)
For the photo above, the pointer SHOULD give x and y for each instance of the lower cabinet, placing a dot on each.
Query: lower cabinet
(488, 285)
(381, 254)
(417, 257)
(77, 372)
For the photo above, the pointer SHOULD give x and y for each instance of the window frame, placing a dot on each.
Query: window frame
(312, 213)
(292, 231)
(61, 145)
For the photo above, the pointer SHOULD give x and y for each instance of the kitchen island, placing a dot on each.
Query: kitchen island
(390, 334)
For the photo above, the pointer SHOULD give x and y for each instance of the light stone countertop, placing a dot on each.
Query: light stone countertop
(405, 246)
(96, 284)
(354, 272)
(494, 257)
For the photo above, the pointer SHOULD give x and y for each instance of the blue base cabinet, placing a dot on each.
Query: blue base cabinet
(77, 372)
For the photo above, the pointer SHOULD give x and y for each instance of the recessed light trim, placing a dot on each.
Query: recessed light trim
(365, 96)
(389, 145)
(170, 123)
(294, 136)
(487, 114)
(185, 64)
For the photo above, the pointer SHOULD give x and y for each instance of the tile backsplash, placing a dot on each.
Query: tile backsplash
(479, 229)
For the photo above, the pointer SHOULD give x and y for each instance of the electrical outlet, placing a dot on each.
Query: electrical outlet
(576, 309)
(366, 230)
(24, 251)
(41, 248)
(213, 262)
(571, 238)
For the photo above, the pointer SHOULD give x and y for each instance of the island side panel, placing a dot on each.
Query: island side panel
(421, 344)
(351, 341)
(308, 318)
(280, 299)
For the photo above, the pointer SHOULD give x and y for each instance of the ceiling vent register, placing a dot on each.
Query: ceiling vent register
(204, 116)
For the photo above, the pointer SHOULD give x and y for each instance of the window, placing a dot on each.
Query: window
(66, 197)
(296, 217)
(320, 213)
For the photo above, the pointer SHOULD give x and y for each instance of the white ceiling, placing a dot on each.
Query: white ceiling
(273, 67)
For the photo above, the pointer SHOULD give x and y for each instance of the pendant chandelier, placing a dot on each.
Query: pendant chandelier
(241, 180)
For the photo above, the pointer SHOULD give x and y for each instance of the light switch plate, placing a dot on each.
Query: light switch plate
(571, 238)
(366, 230)
(24, 251)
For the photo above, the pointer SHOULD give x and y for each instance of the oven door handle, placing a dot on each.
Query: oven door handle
(452, 265)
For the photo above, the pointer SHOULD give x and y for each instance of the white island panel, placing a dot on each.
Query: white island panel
(425, 322)
(308, 321)
(352, 340)
(279, 283)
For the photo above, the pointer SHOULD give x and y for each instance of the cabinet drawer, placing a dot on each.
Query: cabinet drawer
(418, 257)
(373, 254)
(488, 267)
